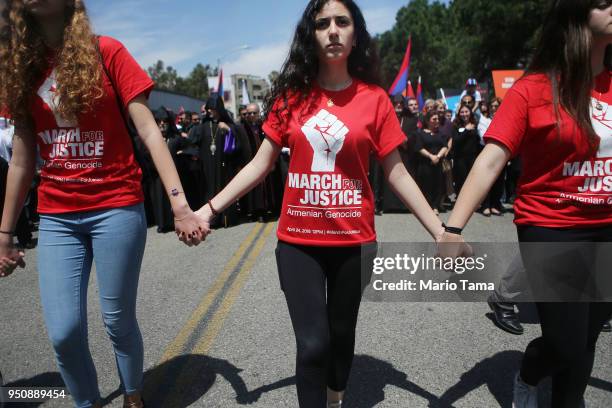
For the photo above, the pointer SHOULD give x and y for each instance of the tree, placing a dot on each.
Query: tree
(427, 24)
(501, 33)
(466, 38)
(164, 77)
(194, 85)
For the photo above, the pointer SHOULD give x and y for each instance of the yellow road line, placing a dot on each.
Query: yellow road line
(216, 322)
(175, 348)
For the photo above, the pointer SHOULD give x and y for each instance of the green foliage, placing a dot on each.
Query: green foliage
(194, 85)
(466, 38)
(164, 77)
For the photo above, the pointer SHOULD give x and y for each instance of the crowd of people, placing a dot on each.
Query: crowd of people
(441, 147)
(209, 148)
(80, 103)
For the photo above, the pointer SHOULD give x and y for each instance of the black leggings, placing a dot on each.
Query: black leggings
(323, 288)
(566, 350)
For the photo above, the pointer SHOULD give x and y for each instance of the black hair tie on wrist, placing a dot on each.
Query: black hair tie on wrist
(7, 232)
(452, 230)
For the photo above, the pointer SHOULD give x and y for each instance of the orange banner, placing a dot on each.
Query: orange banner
(503, 80)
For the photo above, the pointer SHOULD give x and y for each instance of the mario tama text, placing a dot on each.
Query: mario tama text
(413, 272)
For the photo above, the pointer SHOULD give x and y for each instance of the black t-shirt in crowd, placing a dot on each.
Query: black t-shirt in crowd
(465, 142)
(432, 142)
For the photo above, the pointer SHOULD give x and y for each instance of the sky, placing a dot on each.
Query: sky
(183, 33)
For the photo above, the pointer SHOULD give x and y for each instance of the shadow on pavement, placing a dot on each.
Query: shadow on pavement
(369, 377)
(496, 372)
(601, 384)
(185, 379)
(51, 379)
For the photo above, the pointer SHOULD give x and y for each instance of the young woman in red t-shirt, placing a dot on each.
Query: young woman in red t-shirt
(66, 90)
(558, 117)
(326, 108)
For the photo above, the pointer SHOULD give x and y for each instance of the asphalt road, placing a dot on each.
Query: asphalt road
(217, 332)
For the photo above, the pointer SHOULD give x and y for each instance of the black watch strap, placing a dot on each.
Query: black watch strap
(452, 230)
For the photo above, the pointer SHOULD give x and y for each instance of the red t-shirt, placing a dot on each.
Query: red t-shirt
(562, 185)
(90, 165)
(328, 200)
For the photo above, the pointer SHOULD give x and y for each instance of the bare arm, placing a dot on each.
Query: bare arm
(251, 175)
(444, 152)
(408, 191)
(425, 154)
(19, 179)
(485, 171)
(187, 224)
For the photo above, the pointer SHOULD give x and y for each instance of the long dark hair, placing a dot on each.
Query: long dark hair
(302, 65)
(458, 122)
(563, 53)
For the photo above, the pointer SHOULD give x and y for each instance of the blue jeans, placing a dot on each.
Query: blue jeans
(68, 243)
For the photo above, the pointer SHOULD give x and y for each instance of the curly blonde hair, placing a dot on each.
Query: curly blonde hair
(24, 58)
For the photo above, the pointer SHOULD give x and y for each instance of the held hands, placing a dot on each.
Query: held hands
(452, 246)
(10, 258)
(190, 228)
(205, 214)
(435, 159)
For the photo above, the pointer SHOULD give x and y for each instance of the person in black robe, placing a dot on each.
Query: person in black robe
(264, 200)
(185, 149)
(157, 205)
(224, 150)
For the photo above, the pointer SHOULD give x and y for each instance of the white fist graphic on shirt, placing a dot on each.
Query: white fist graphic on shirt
(326, 134)
(47, 93)
(602, 124)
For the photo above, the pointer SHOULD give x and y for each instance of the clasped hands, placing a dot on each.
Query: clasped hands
(453, 246)
(193, 227)
(10, 257)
